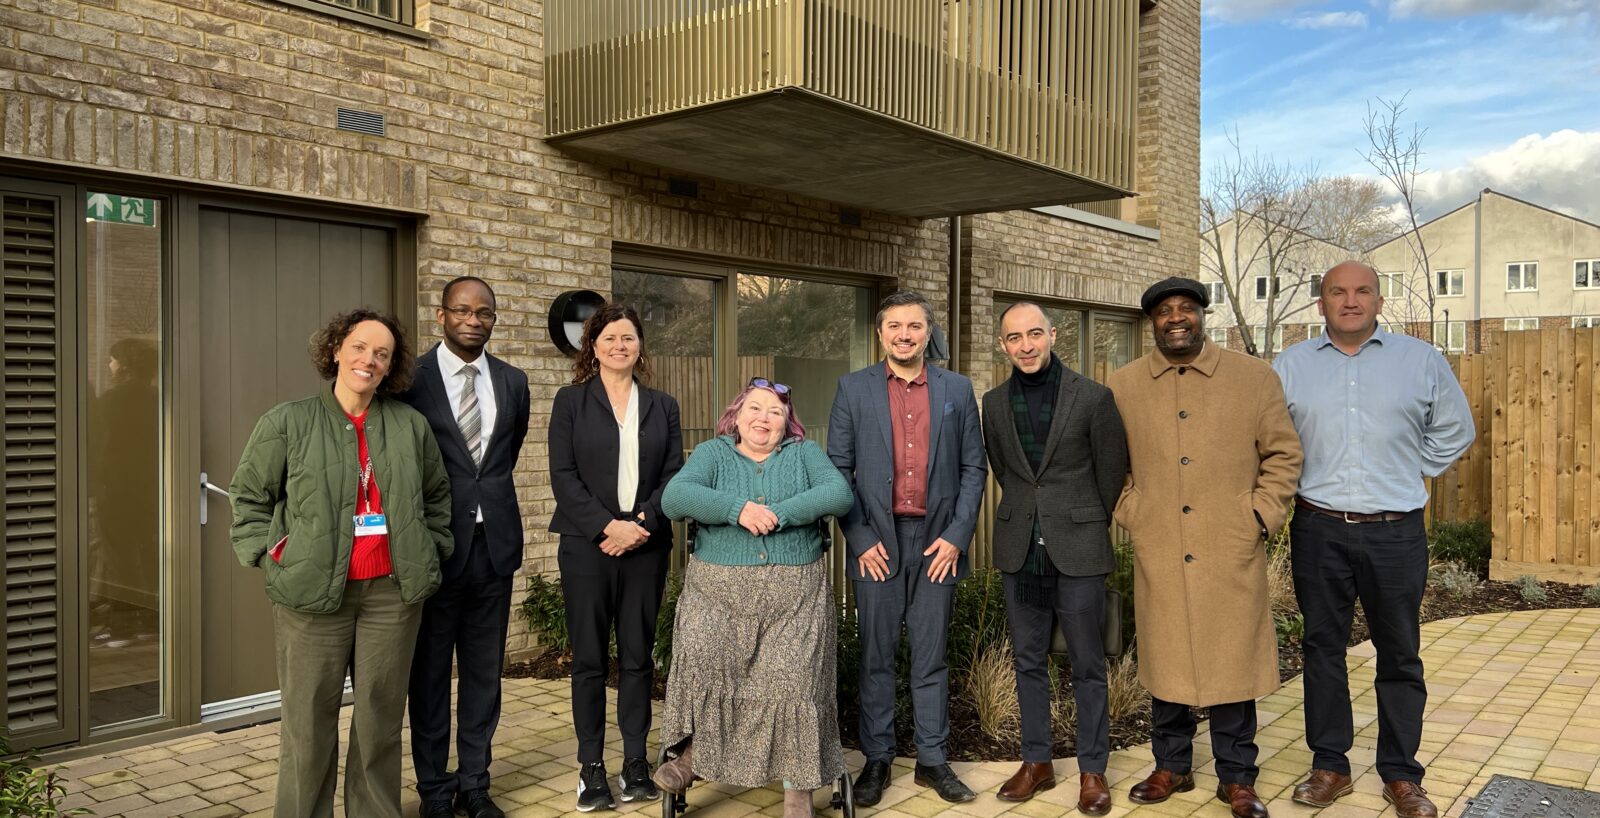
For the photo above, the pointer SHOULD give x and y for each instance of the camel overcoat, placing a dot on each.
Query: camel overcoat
(1212, 449)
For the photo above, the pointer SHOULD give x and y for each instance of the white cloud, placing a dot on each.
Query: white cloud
(1555, 171)
(1464, 8)
(1331, 19)
(1234, 11)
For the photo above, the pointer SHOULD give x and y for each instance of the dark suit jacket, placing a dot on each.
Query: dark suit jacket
(583, 461)
(1085, 461)
(491, 485)
(860, 443)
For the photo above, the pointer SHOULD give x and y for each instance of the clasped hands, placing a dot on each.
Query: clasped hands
(623, 536)
(875, 562)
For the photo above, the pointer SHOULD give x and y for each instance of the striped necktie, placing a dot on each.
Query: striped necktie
(471, 418)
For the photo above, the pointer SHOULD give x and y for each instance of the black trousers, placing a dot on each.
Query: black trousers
(465, 622)
(1078, 606)
(1385, 565)
(602, 593)
(1233, 739)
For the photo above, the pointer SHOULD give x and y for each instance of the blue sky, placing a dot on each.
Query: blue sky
(1508, 90)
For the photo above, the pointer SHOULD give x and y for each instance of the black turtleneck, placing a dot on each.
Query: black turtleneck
(1035, 387)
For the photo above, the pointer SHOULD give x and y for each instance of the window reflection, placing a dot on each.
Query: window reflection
(679, 339)
(1112, 341)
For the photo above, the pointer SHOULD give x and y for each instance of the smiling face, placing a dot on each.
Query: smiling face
(1350, 301)
(364, 358)
(1026, 336)
(904, 332)
(1179, 323)
(761, 421)
(617, 347)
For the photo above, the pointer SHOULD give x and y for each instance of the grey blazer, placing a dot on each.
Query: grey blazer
(860, 443)
(1085, 461)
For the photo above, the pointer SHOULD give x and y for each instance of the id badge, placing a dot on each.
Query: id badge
(368, 525)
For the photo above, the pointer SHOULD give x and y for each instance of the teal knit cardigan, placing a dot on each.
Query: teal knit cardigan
(798, 482)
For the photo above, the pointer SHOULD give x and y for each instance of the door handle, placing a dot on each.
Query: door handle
(207, 486)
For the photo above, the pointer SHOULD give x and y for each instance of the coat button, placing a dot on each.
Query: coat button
(763, 555)
(761, 499)
(348, 427)
(1182, 369)
(1184, 413)
(1188, 558)
(1036, 485)
(1184, 461)
(1186, 509)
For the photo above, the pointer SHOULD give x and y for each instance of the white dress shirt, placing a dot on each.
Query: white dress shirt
(450, 370)
(628, 453)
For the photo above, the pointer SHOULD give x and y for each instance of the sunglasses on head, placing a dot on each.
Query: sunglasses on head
(780, 389)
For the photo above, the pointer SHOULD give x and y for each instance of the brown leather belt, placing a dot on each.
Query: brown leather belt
(1351, 516)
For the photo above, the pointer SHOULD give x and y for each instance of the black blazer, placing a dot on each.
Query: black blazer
(1079, 479)
(583, 461)
(490, 486)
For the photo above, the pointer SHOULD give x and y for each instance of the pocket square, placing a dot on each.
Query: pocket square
(949, 408)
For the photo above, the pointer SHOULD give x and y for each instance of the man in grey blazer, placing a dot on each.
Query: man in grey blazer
(906, 436)
(1059, 453)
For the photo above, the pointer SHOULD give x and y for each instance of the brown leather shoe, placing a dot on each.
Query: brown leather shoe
(1094, 798)
(1031, 778)
(1410, 799)
(1242, 799)
(1322, 788)
(1160, 786)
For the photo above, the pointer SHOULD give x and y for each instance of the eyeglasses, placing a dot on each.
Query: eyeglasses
(780, 389)
(463, 313)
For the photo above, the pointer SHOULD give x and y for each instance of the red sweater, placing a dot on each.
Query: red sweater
(369, 558)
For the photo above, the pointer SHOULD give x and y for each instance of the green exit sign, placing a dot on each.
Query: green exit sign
(109, 207)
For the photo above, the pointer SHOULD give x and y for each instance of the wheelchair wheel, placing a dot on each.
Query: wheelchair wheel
(844, 797)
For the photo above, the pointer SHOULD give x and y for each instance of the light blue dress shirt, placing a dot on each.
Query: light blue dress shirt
(1373, 424)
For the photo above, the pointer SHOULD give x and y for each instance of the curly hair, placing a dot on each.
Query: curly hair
(586, 365)
(326, 342)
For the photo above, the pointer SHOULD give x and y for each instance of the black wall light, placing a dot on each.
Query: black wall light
(567, 314)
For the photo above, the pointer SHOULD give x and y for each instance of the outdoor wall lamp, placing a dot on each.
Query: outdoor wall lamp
(567, 314)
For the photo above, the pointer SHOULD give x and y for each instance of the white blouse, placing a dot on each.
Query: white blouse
(628, 453)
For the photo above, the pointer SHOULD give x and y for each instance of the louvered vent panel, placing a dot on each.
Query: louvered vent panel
(29, 253)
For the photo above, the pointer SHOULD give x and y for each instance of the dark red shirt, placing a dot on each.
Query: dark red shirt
(369, 557)
(909, 417)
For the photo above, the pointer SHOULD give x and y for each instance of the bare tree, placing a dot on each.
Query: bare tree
(1351, 212)
(1395, 152)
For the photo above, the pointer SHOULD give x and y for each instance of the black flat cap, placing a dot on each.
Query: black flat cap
(1174, 286)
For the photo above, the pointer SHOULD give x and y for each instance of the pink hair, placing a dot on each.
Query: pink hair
(728, 424)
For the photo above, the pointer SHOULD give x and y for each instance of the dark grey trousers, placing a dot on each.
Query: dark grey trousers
(1078, 606)
(908, 597)
(1233, 739)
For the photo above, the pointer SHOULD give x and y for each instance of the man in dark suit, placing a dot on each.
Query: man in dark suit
(1058, 450)
(477, 406)
(905, 434)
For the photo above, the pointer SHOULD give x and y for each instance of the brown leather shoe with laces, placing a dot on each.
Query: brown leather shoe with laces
(1242, 799)
(1032, 777)
(1094, 797)
(1322, 788)
(1160, 786)
(1410, 799)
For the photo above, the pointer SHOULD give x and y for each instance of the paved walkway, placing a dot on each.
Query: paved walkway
(1514, 693)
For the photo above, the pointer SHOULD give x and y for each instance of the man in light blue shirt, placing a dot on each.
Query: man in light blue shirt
(1376, 413)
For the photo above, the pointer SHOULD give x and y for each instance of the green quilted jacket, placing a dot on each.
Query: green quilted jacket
(297, 477)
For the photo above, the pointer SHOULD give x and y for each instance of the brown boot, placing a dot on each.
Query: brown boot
(1032, 777)
(1242, 799)
(1094, 798)
(676, 775)
(1160, 786)
(797, 803)
(1410, 799)
(1322, 788)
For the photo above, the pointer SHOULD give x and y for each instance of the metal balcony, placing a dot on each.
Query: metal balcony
(919, 107)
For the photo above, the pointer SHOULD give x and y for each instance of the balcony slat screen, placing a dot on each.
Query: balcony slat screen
(1050, 81)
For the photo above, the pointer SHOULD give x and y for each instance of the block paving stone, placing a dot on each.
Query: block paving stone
(1513, 693)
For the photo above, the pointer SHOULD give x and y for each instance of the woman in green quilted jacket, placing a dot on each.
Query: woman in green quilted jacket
(342, 500)
(751, 695)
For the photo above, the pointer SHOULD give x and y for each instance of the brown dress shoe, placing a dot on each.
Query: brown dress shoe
(1322, 788)
(1094, 798)
(1160, 786)
(1410, 799)
(1242, 799)
(1032, 777)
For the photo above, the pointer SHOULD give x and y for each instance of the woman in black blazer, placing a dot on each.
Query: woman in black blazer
(614, 444)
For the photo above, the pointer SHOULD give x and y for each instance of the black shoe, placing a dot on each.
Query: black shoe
(437, 808)
(477, 804)
(594, 792)
(868, 789)
(944, 782)
(636, 783)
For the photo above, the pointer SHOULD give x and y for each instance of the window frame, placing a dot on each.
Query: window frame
(1523, 267)
(1218, 291)
(1261, 287)
(1522, 324)
(1593, 273)
(1449, 328)
(1258, 333)
(1587, 321)
(1457, 276)
(1213, 332)
(1391, 285)
(405, 26)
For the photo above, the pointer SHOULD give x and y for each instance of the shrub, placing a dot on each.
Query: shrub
(849, 661)
(1289, 627)
(546, 612)
(665, 621)
(1280, 583)
(977, 618)
(1063, 705)
(1463, 541)
(1591, 594)
(1454, 580)
(25, 790)
(1125, 696)
(1532, 592)
(1121, 581)
(991, 686)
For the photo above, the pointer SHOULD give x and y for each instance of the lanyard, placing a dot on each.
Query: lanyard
(364, 477)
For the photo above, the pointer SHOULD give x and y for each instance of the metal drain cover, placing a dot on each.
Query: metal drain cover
(1507, 797)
